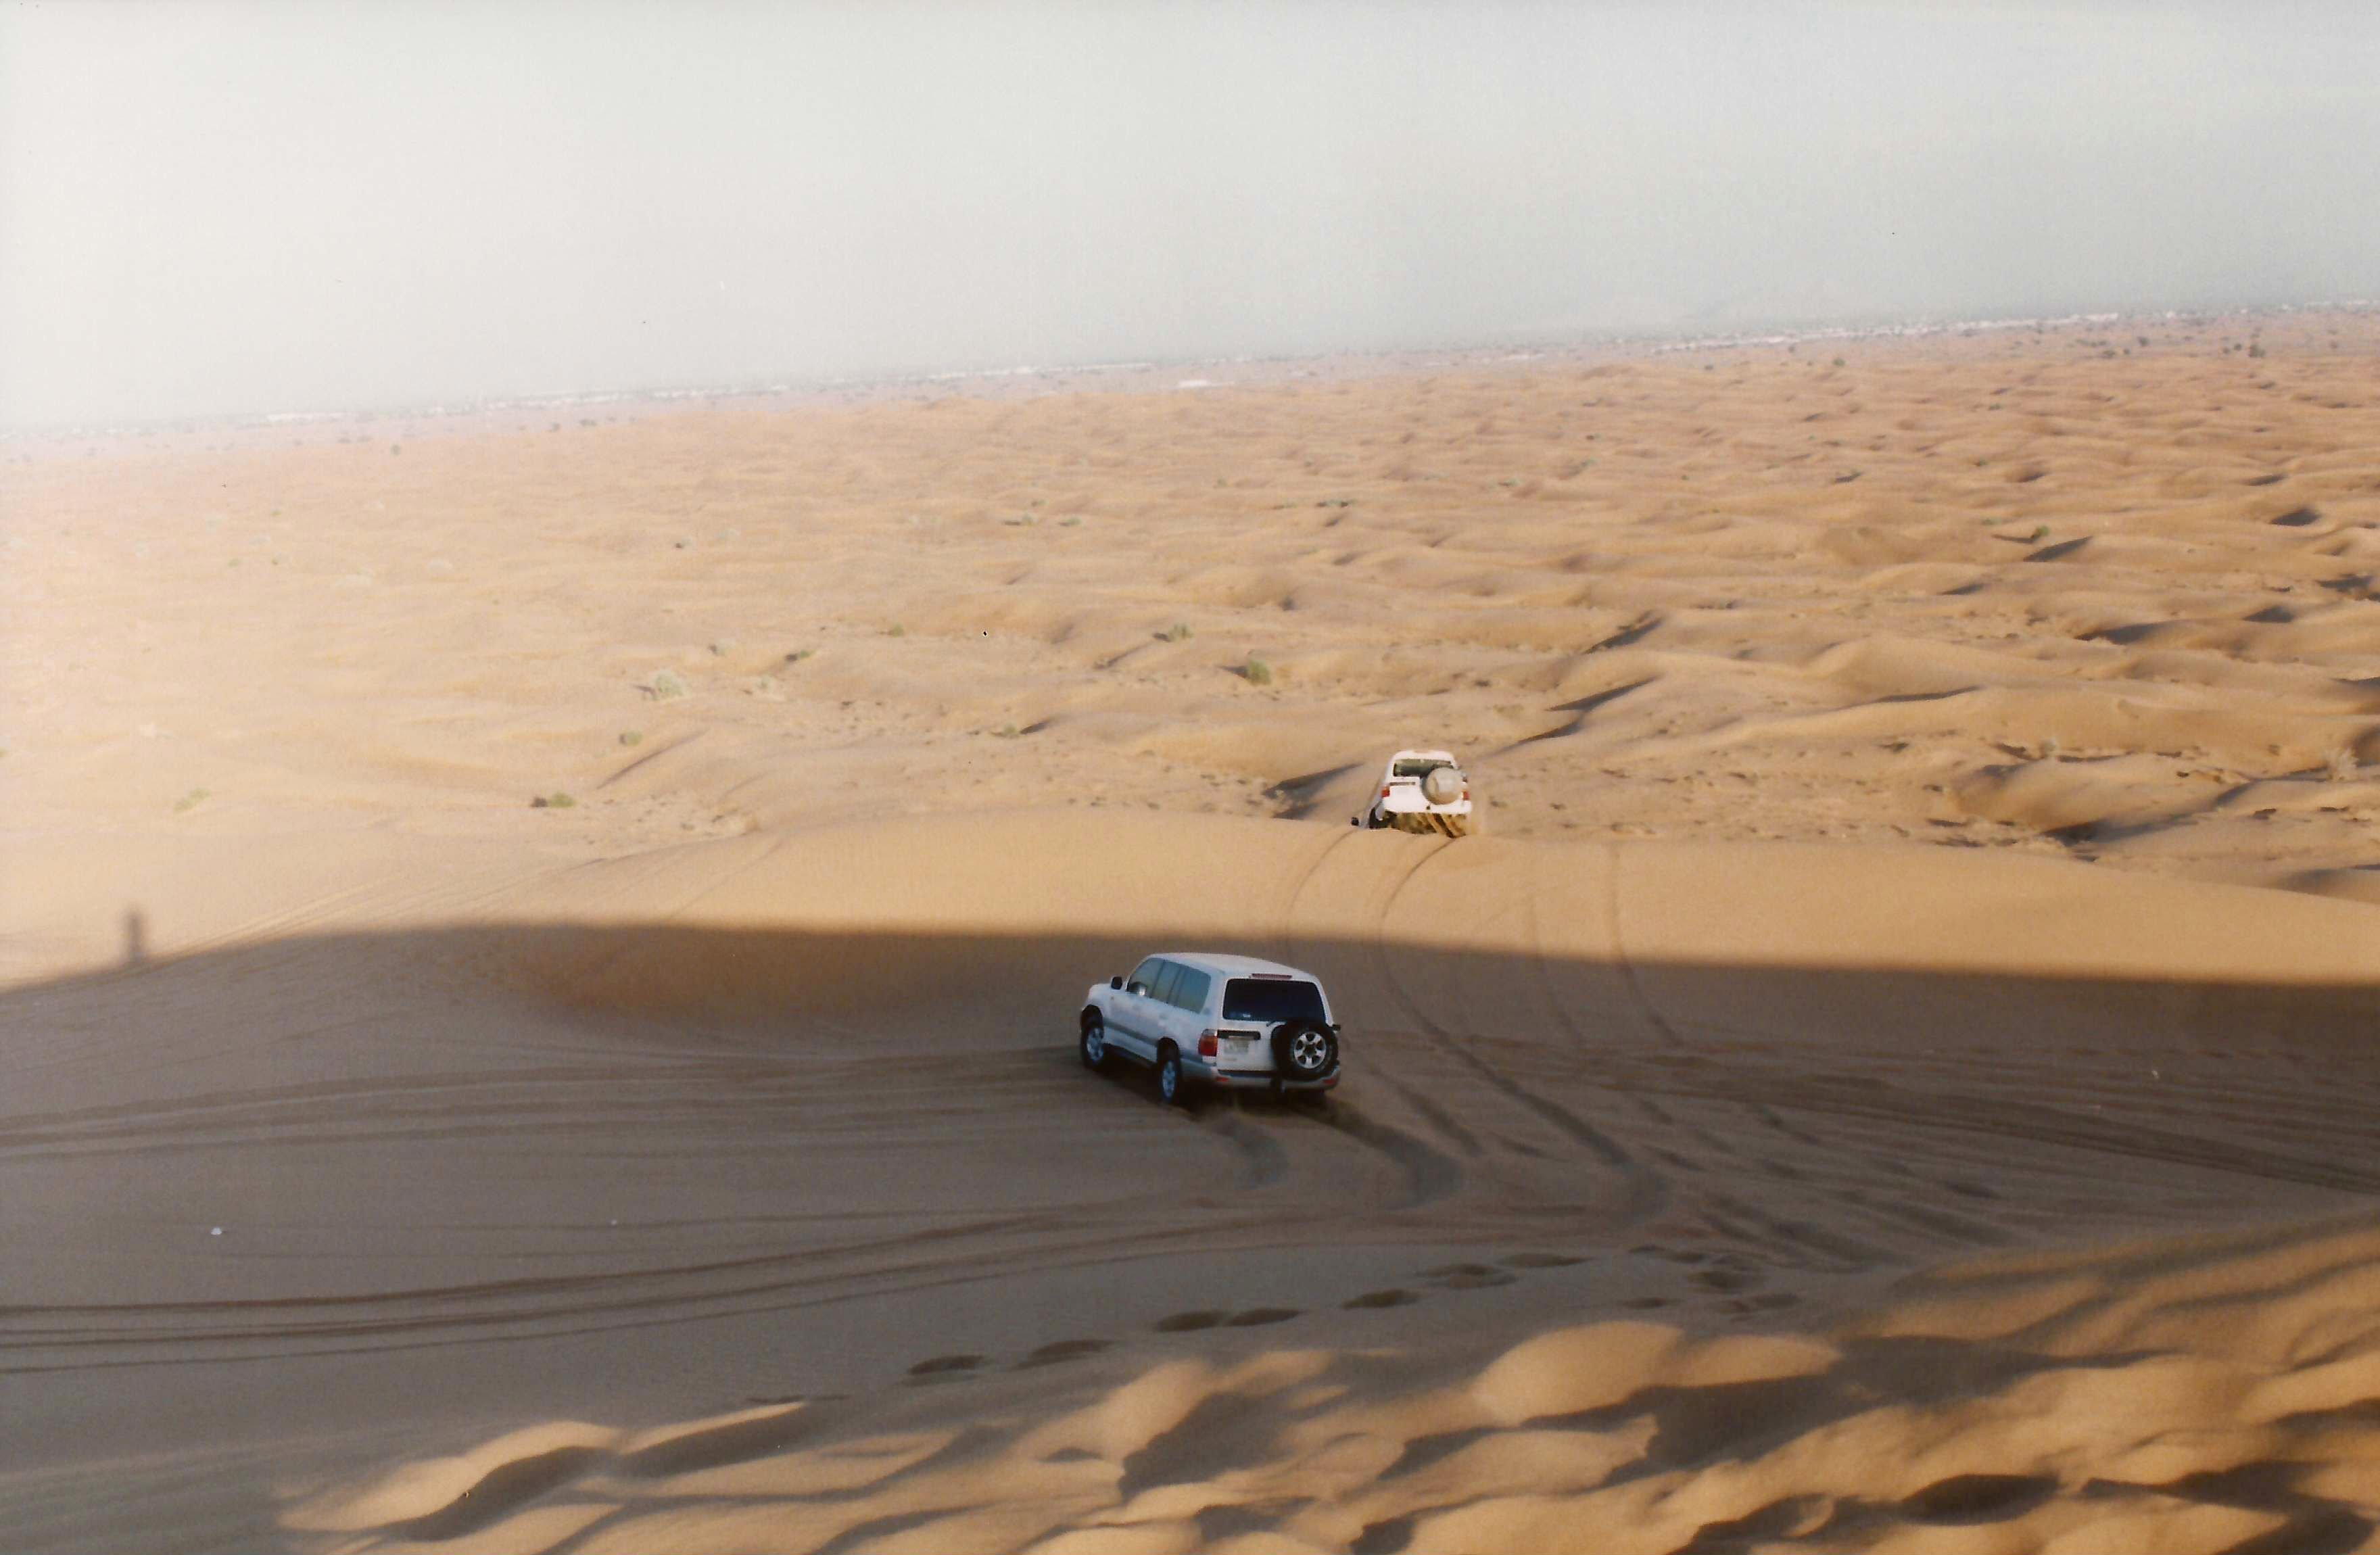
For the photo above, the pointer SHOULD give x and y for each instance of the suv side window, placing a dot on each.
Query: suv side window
(1161, 987)
(1143, 977)
(1190, 992)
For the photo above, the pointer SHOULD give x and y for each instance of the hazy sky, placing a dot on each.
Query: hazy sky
(265, 207)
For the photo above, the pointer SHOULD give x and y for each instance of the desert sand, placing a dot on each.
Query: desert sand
(541, 950)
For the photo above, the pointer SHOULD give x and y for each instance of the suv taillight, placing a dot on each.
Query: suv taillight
(1206, 1043)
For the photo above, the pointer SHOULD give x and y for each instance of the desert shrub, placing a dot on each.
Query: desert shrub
(191, 800)
(554, 801)
(632, 736)
(1178, 632)
(665, 686)
(896, 630)
(1257, 671)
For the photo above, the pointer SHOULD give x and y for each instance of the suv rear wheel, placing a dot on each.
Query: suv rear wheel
(1172, 1088)
(1095, 1043)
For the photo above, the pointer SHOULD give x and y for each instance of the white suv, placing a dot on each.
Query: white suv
(1422, 791)
(1226, 1021)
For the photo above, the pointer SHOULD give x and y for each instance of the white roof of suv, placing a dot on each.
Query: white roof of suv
(1233, 965)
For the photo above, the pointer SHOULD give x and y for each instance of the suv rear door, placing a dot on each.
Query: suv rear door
(1185, 1013)
(1262, 1001)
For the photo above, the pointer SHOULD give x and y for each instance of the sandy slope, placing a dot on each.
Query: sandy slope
(2235, 1419)
(357, 1113)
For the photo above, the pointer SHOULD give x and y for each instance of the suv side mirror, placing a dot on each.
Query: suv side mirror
(1116, 982)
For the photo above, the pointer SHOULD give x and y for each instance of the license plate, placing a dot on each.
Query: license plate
(1235, 1049)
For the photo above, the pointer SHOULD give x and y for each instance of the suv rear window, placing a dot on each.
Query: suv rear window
(1271, 998)
(1417, 769)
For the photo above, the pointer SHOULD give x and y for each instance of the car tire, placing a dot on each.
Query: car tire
(1303, 1050)
(1094, 1044)
(1172, 1085)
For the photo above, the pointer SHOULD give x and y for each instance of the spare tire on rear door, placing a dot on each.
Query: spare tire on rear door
(1441, 785)
(1303, 1050)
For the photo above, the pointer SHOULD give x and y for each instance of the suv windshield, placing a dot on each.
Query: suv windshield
(1272, 999)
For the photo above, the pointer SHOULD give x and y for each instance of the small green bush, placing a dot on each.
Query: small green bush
(665, 686)
(191, 800)
(554, 801)
(896, 630)
(1178, 632)
(632, 736)
(1257, 671)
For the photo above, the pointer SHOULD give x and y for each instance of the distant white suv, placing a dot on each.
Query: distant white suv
(1227, 1021)
(1421, 791)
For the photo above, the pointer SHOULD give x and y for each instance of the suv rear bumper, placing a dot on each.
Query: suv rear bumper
(1251, 1079)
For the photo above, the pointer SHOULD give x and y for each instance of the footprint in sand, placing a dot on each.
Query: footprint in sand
(943, 1368)
(1254, 1317)
(1467, 1276)
(1372, 1300)
(1061, 1351)
(1724, 1281)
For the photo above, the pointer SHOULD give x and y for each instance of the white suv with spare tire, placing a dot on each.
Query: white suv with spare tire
(1228, 1022)
(1424, 791)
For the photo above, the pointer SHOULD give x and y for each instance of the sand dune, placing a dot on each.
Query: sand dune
(389, 1160)
(650, 1120)
(1964, 1419)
